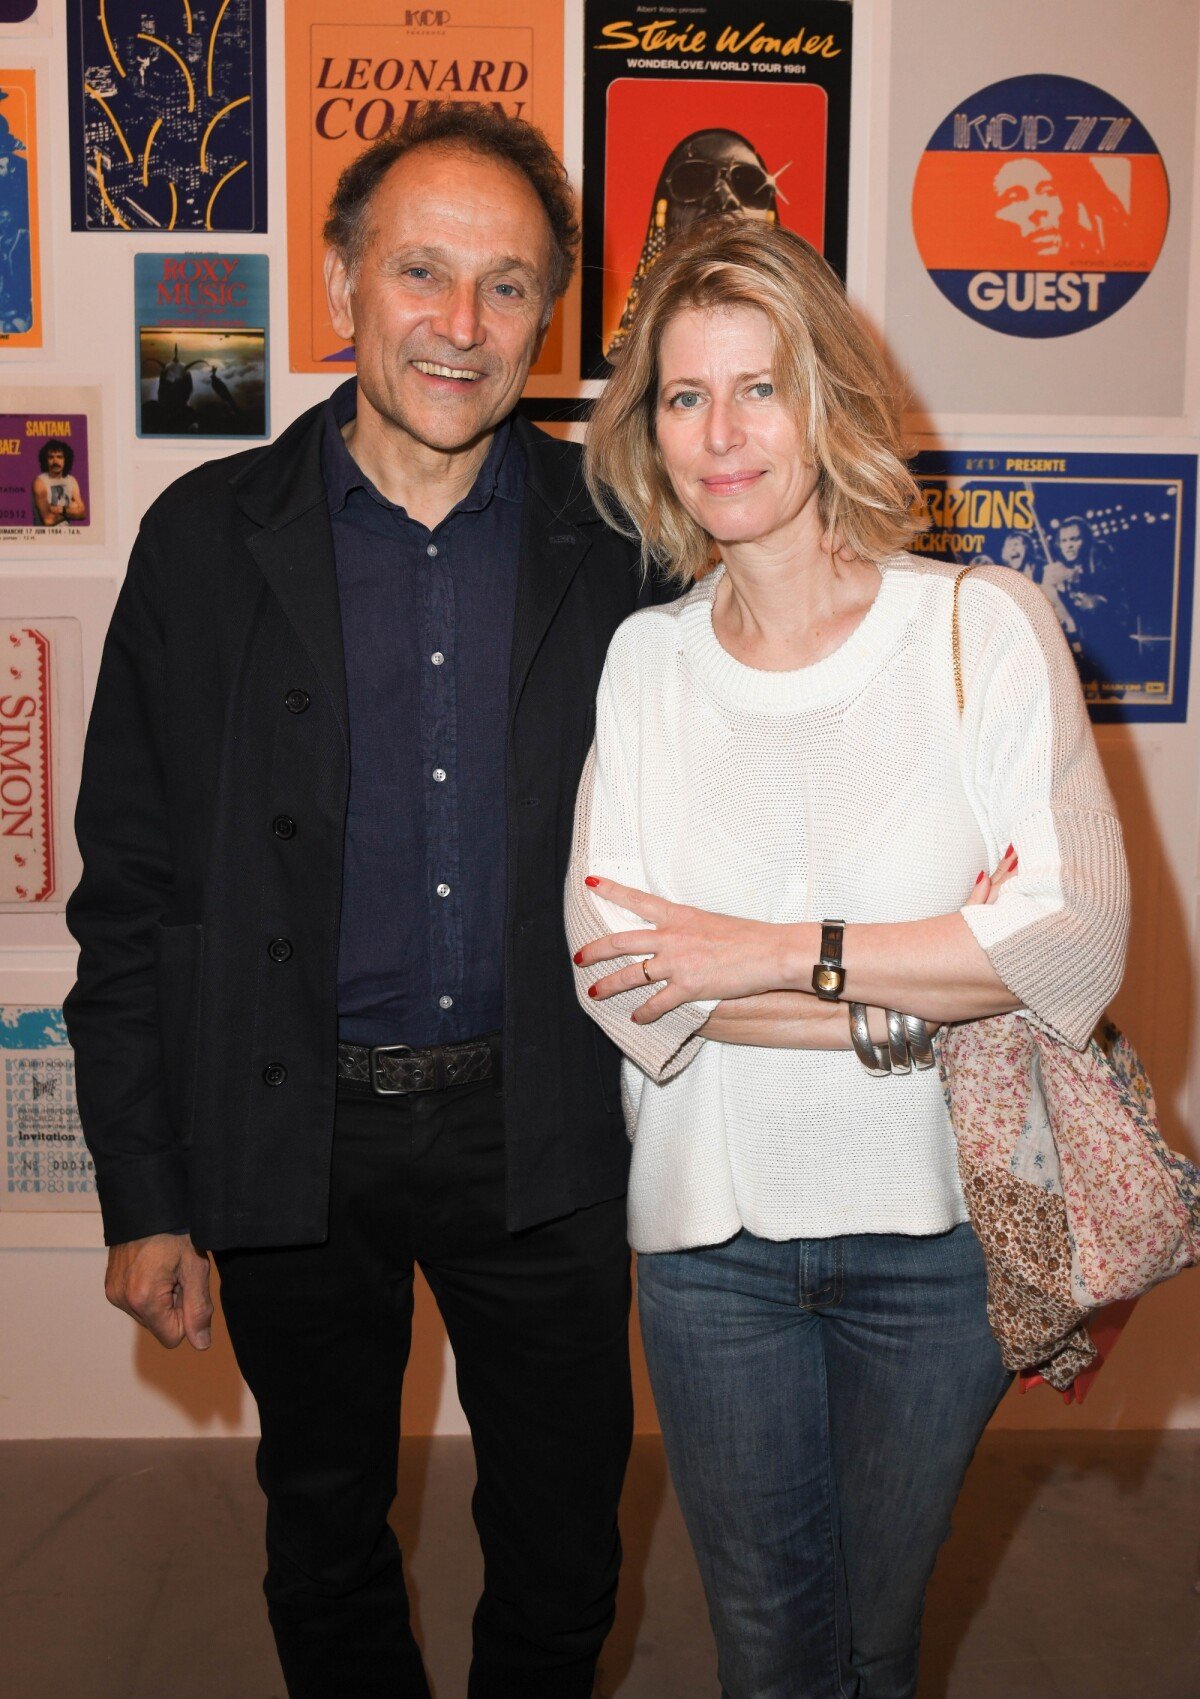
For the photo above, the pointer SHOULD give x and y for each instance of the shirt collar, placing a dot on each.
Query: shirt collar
(502, 472)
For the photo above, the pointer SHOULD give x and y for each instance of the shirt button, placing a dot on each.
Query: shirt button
(283, 826)
(296, 701)
(437, 658)
(280, 949)
(445, 1002)
(439, 775)
(274, 1073)
(443, 890)
(432, 549)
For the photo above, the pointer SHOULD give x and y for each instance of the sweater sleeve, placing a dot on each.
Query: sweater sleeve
(607, 841)
(1057, 932)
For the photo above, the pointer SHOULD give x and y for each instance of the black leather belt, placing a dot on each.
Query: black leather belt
(392, 1070)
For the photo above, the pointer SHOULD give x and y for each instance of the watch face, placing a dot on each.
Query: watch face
(828, 979)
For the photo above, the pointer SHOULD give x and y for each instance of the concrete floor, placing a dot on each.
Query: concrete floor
(131, 1571)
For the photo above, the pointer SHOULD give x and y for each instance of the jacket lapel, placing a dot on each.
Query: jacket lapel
(554, 540)
(284, 493)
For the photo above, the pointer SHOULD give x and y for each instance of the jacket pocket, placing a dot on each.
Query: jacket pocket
(179, 951)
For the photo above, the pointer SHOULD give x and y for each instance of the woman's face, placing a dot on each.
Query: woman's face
(1026, 197)
(732, 450)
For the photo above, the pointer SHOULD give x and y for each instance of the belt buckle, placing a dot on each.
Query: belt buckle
(373, 1055)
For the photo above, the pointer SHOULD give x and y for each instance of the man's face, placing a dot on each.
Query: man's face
(446, 312)
(720, 177)
(1013, 550)
(1070, 543)
(56, 463)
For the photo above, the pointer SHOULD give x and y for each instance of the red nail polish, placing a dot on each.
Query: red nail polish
(591, 990)
(1008, 851)
(979, 876)
(577, 958)
(1016, 864)
(590, 881)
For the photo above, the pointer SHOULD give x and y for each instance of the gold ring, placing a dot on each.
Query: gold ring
(646, 969)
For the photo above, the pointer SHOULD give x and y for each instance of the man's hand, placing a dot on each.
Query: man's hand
(162, 1282)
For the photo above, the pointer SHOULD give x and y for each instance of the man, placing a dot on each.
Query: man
(56, 496)
(324, 1018)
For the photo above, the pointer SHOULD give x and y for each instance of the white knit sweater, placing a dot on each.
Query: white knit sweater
(847, 788)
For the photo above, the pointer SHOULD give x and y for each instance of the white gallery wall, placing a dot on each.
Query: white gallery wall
(69, 1365)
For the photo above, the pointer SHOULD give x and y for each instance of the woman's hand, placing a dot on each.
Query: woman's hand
(989, 885)
(700, 956)
(696, 956)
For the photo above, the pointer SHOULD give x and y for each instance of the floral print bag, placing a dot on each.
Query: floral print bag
(1075, 1197)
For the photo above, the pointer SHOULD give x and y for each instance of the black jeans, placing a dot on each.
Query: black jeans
(538, 1322)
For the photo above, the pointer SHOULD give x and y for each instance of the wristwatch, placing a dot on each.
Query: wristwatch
(828, 975)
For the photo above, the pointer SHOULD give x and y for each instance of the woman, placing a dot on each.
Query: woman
(783, 745)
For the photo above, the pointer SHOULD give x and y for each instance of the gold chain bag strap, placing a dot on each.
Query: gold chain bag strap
(1074, 1196)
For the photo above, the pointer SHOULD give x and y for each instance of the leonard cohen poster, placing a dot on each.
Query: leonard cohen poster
(50, 493)
(41, 742)
(20, 261)
(723, 110)
(168, 115)
(1039, 171)
(1111, 541)
(356, 68)
(201, 344)
(46, 1163)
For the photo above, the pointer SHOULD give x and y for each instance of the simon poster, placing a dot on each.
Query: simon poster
(168, 115)
(355, 68)
(20, 262)
(728, 110)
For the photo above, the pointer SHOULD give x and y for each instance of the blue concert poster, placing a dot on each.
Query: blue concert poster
(167, 115)
(201, 324)
(1110, 539)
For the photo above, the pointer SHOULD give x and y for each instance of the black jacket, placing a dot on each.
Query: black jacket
(210, 821)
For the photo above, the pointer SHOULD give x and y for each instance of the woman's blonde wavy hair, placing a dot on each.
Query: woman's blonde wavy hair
(826, 369)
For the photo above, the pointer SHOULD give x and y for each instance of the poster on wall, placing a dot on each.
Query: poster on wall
(1044, 224)
(354, 69)
(1038, 210)
(1111, 541)
(167, 115)
(46, 1163)
(200, 344)
(724, 110)
(41, 744)
(50, 491)
(20, 256)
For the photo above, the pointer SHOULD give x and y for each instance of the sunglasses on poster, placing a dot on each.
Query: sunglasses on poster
(694, 180)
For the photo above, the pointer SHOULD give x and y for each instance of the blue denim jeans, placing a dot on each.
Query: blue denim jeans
(820, 1400)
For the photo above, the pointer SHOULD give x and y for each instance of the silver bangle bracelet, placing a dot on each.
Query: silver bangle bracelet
(909, 1043)
(920, 1041)
(898, 1043)
(875, 1061)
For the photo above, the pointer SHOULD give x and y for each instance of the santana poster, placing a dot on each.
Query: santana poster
(20, 260)
(41, 739)
(46, 1163)
(356, 68)
(724, 110)
(168, 115)
(50, 496)
(1039, 192)
(1109, 538)
(201, 344)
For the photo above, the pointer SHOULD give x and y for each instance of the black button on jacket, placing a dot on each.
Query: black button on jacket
(211, 821)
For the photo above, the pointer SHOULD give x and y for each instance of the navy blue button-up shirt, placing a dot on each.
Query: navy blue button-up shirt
(427, 620)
